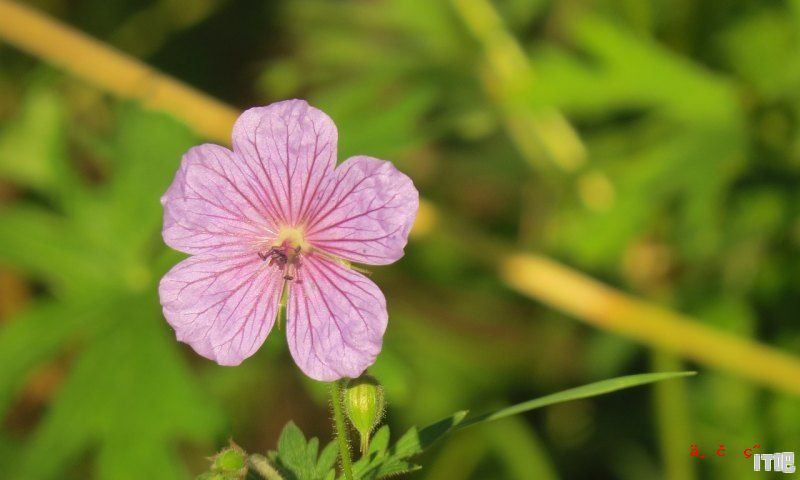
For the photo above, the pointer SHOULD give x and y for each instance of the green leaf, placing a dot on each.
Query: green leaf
(149, 146)
(590, 390)
(414, 442)
(36, 335)
(327, 460)
(685, 145)
(44, 246)
(292, 450)
(522, 453)
(381, 462)
(33, 146)
(380, 441)
(128, 399)
(297, 458)
(764, 49)
(375, 455)
(130, 396)
(395, 467)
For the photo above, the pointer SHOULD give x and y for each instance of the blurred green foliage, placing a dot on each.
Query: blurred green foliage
(127, 392)
(689, 112)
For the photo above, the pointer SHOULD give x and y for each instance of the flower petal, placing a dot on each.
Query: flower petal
(212, 204)
(291, 148)
(335, 320)
(368, 214)
(223, 307)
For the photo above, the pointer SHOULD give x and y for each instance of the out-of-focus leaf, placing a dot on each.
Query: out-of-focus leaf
(37, 334)
(46, 247)
(682, 147)
(382, 131)
(33, 146)
(128, 395)
(607, 355)
(149, 147)
(521, 451)
(521, 13)
(764, 48)
(378, 69)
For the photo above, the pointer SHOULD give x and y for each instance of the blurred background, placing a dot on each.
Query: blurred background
(650, 144)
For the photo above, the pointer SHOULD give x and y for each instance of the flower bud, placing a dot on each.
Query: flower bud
(364, 404)
(230, 463)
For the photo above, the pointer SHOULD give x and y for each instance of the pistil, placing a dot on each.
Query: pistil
(286, 252)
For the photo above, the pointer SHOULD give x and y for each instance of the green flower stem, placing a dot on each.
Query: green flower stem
(261, 465)
(364, 443)
(341, 430)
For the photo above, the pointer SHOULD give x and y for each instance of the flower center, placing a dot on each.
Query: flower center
(293, 237)
(285, 252)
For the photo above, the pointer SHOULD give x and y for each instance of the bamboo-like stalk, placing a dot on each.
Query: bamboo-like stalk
(112, 70)
(673, 419)
(538, 133)
(611, 310)
(340, 430)
(532, 275)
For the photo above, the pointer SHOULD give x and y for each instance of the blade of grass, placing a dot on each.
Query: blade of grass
(416, 441)
(585, 391)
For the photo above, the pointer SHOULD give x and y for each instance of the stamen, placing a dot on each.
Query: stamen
(286, 257)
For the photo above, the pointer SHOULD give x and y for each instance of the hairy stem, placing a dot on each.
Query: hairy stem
(364, 443)
(340, 430)
(261, 465)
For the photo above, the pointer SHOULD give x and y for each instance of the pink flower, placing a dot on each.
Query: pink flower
(274, 216)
